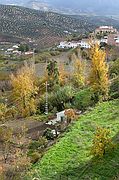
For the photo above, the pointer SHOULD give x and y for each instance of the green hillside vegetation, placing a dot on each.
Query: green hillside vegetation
(70, 158)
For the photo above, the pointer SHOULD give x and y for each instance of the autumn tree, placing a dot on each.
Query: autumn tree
(78, 73)
(102, 142)
(70, 114)
(63, 75)
(78, 66)
(98, 77)
(24, 90)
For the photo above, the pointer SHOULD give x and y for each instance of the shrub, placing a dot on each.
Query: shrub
(6, 135)
(42, 57)
(38, 145)
(70, 114)
(57, 99)
(101, 142)
(114, 68)
(48, 134)
(35, 156)
(54, 53)
(3, 111)
(83, 99)
(114, 89)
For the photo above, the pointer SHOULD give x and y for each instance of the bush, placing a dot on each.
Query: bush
(54, 53)
(3, 111)
(114, 89)
(35, 156)
(38, 145)
(48, 134)
(83, 99)
(114, 68)
(42, 57)
(102, 142)
(57, 99)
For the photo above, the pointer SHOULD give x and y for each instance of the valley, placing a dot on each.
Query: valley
(59, 90)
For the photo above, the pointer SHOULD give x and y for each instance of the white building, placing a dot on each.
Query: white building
(67, 45)
(106, 29)
(15, 47)
(29, 53)
(104, 40)
(61, 116)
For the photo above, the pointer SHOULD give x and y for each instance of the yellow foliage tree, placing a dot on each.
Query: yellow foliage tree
(24, 90)
(78, 75)
(98, 78)
(101, 142)
(63, 75)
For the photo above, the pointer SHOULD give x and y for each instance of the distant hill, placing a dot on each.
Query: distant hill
(98, 7)
(45, 28)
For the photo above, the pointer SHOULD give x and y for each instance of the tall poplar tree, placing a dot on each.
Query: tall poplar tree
(99, 73)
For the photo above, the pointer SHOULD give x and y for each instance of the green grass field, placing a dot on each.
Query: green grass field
(70, 158)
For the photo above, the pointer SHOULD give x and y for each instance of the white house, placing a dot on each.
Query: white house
(104, 40)
(29, 53)
(15, 47)
(66, 44)
(107, 29)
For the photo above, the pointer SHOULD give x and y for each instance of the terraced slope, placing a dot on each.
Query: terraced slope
(70, 158)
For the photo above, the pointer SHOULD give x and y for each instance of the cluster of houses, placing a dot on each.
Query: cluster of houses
(14, 50)
(111, 38)
(73, 44)
(105, 29)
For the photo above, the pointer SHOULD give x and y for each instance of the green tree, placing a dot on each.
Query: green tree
(53, 73)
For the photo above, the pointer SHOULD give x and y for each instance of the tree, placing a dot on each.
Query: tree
(24, 90)
(70, 114)
(78, 74)
(63, 75)
(101, 142)
(98, 77)
(53, 73)
(23, 48)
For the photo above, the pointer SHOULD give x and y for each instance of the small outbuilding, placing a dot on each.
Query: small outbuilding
(61, 116)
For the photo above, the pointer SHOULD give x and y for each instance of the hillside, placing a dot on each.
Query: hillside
(70, 158)
(45, 28)
(100, 7)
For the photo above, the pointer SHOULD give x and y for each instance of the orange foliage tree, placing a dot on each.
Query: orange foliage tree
(70, 114)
